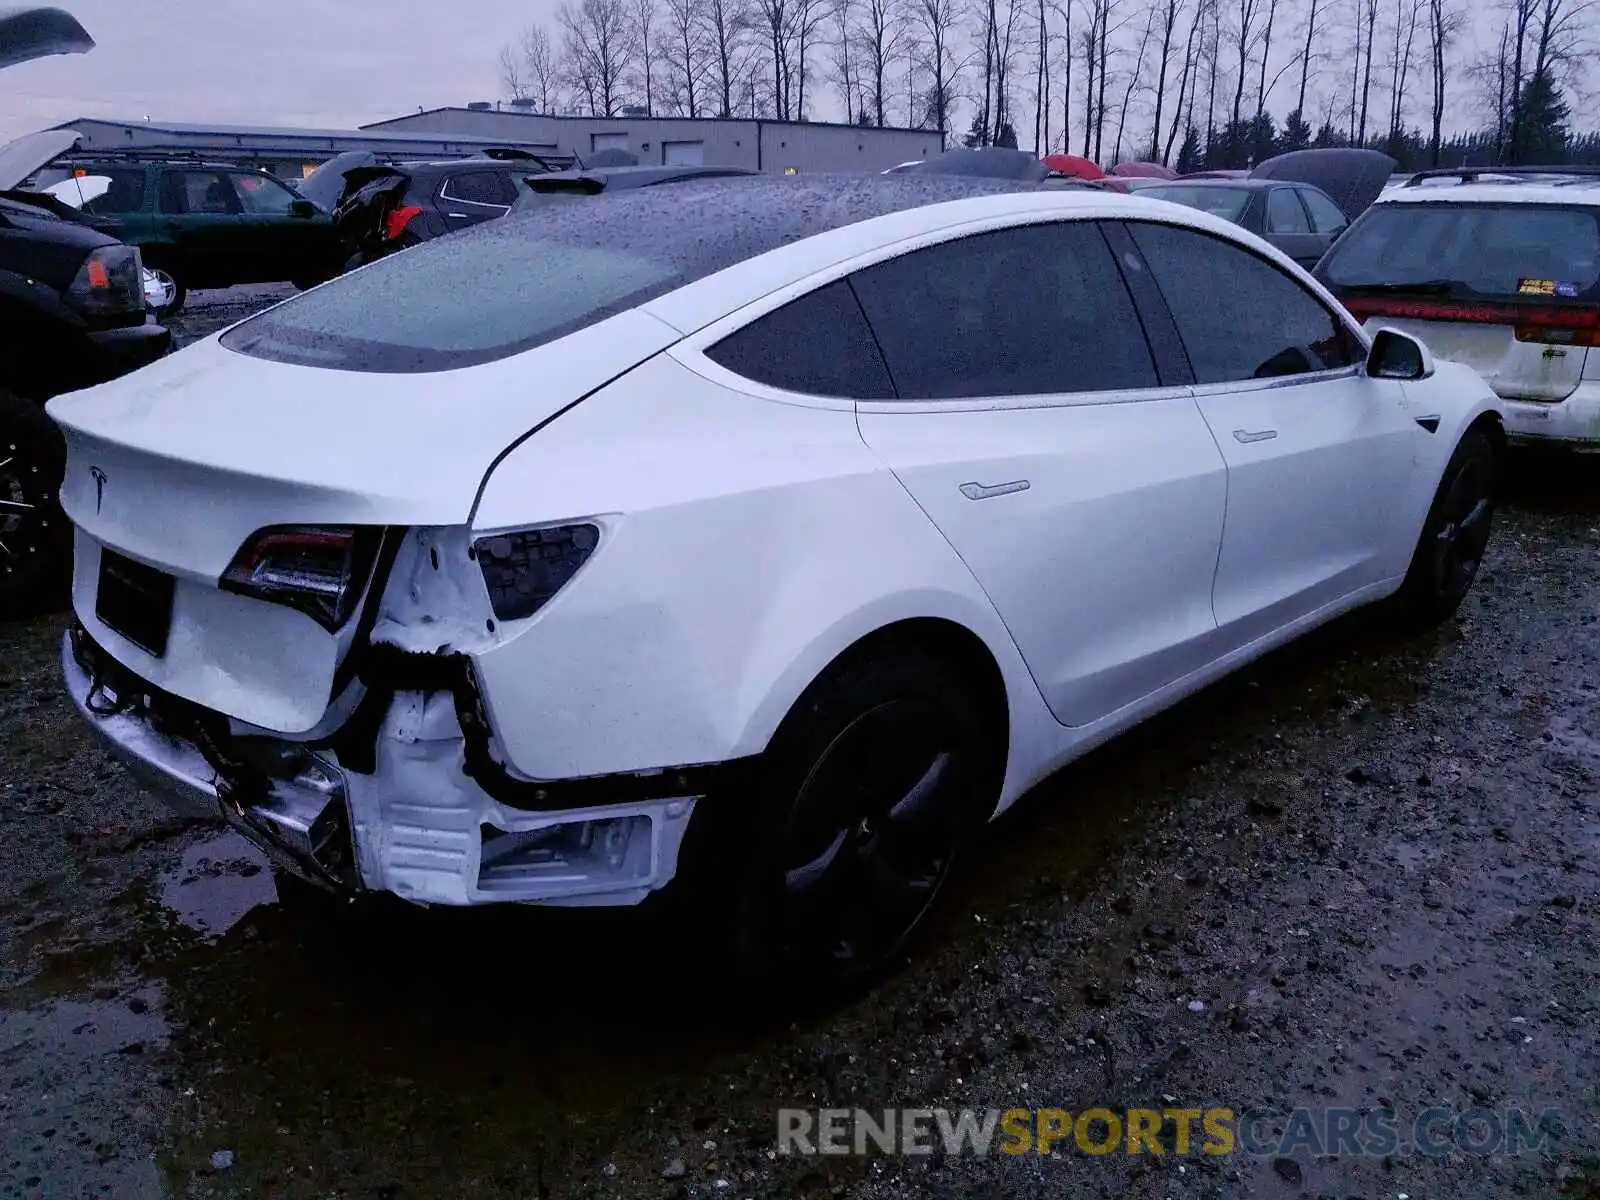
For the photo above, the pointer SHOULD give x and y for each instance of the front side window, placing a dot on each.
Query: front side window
(1034, 310)
(1458, 247)
(262, 196)
(819, 344)
(1240, 317)
(1284, 212)
(198, 192)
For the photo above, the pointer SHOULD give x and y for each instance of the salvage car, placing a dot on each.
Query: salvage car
(72, 314)
(746, 541)
(1497, 269)
(204, 224)
(381, 207)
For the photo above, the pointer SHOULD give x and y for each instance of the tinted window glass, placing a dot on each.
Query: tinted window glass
(1490, 250)
(1284, 213)
(197, 192)
(515, 283)
(1017, 312)
(262, 196)
(1326, 216)
(480, 187)
(819, 344)
(1227, 203)
(1263, 324)
(125, 195)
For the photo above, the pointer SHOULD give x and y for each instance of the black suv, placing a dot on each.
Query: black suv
(380, 207)
(72, 314)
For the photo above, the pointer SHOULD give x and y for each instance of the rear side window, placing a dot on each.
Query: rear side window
(1228, 203)
(1262, 325)
(480, 187)
(207, 193)
(1036, 310)
(1326, 216)
(1284, 212)
(819, 344)
(1498, 250)
(124, 195)
(261, 196)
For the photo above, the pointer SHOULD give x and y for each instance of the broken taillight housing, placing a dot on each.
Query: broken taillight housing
(110, 283)
(318, 570)
(395, 223)
(523, 570)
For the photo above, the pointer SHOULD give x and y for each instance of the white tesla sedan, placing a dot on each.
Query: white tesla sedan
(762, 534)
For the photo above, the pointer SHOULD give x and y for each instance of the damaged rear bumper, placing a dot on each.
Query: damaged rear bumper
(408, 818)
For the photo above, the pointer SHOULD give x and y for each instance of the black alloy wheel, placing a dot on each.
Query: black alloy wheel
(874, 784)
(1454, 538)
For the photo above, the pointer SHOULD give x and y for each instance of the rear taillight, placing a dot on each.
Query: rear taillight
(110, 283)
(318, 570)
(1549, 324)
(395, 223)
(523, 570)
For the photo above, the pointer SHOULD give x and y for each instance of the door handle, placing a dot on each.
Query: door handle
(1245, 436)
(458, 216)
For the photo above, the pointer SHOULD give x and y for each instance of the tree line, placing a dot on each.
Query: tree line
(1190, 83)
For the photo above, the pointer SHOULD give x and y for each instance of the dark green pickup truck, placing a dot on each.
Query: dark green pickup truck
(204, 225)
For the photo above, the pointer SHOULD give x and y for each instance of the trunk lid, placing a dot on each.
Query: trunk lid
(22, 157)
(1353, 178)
(34, 32)
(176, 467)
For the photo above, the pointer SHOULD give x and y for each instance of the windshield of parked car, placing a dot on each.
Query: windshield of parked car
(1486, 249)
(1225, 202)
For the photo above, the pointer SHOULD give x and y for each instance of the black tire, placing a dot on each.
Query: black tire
(1454, 537)
(870, 789)
(35, 536)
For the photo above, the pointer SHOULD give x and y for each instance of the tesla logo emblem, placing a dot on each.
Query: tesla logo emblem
(99, 478)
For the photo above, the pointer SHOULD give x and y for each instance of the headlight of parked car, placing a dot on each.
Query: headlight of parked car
(110, 283)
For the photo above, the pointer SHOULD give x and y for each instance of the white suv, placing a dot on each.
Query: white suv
(1496, 268)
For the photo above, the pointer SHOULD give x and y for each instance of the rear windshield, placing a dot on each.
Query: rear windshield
(1499, 250)
(1224, 202)
(457, 301)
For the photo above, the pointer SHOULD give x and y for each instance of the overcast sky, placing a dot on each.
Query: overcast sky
(343, 64)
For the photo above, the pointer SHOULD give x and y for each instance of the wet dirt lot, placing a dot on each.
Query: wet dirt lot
(1363, 875)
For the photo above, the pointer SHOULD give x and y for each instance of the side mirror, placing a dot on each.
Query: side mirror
(1396, 355)
(302, 208)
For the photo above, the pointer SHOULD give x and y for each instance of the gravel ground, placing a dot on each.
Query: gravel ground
(1362, 875)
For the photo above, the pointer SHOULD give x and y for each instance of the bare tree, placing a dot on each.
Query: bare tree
(809, 17)
(1242, 39)
(1213, 54)
(1188, 82)
(726, 24)
(845, 71)
(1444, 23)
(683, 53)
(1266, 54)
(880, 32)
(1369, 20)
(1135, 79)
(1095, 57)
(644, 14)
(935, 24)
(600, 48)
(1407, 14)
(1041, 78)
(1165, 13)
(1306, 50)
(510, 68)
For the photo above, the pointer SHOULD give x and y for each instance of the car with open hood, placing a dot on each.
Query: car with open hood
(754, 540)
(72, 314)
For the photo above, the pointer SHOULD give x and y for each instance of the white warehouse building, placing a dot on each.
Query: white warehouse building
(775, 146)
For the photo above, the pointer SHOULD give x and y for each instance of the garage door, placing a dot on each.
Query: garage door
(608, 141)
(683, 154)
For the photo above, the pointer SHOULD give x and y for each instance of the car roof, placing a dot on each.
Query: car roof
(771, 230)
(1543, 191)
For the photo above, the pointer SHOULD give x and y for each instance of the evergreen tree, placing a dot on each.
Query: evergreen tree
(1007, 136)
(977, 135)
(1542, 131)
(1189, 152)
(1296, 133)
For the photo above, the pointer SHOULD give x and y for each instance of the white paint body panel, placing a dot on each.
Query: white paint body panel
(748, 536)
